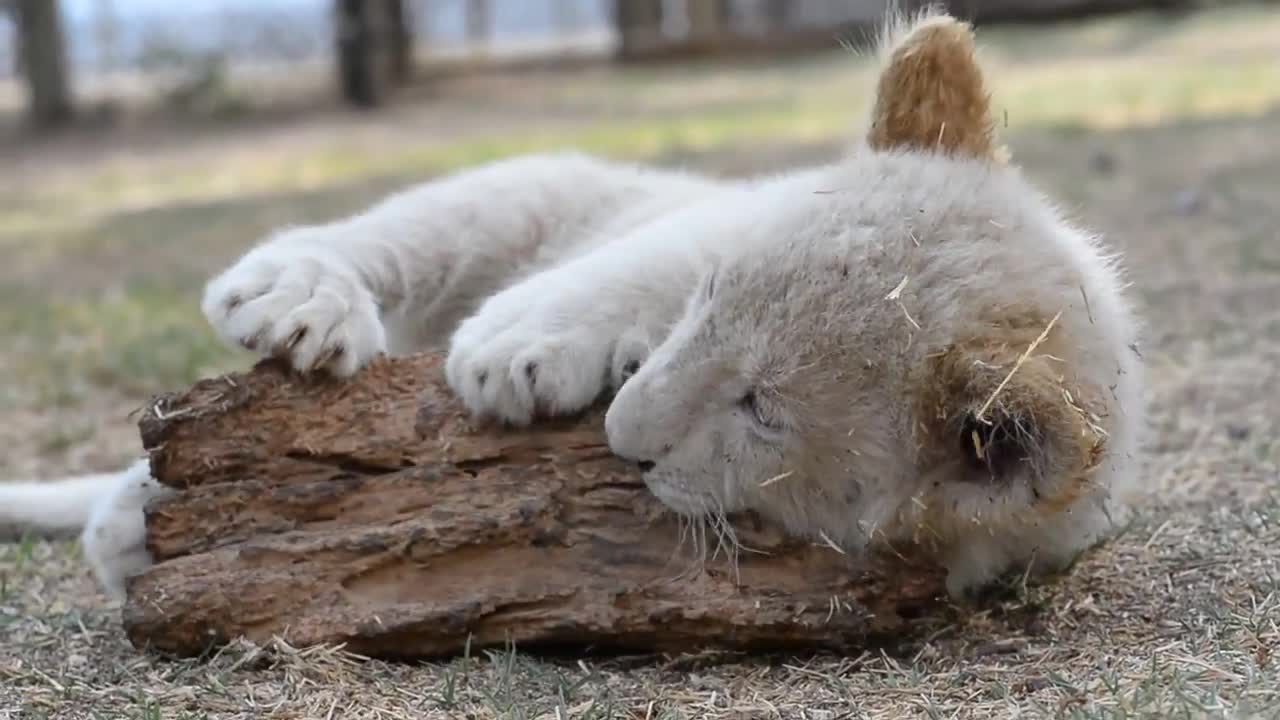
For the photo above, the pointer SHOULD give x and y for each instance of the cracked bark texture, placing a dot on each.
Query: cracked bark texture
(373, 512)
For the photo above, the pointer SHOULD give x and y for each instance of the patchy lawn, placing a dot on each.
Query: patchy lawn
(1155, 132)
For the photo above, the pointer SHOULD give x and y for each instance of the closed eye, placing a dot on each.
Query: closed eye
(760, 412)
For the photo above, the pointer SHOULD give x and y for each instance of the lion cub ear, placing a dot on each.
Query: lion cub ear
(930, 95)
(1005, 411)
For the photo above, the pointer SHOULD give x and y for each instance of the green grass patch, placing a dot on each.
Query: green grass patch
(139, 341)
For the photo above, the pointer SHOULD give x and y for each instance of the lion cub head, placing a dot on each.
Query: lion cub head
(910, 346)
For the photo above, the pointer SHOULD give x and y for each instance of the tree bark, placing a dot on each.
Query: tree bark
(44, 63)
(373, 512)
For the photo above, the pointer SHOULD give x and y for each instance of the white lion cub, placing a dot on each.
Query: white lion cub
(906, 344)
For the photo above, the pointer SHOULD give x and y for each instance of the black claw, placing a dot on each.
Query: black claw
(482, 377)
(531, 371)
(296, 337)
(631, 368)
(326, 357)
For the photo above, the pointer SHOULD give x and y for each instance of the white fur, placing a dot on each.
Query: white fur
(50, 509)
(401, 277)
(772, 336)
(404, 274)
(833, 358)
(106, 509)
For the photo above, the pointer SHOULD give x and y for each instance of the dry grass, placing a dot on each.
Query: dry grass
(1178, 617)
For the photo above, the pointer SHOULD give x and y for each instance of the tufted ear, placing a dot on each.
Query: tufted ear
(1004, 414)
(930, 94)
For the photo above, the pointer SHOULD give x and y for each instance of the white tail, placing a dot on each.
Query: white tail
(104, 509)
(56, 509)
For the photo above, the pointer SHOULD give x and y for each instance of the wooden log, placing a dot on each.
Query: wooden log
(372, 512)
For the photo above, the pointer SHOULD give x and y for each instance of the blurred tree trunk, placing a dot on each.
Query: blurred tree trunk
(707, 20)
(479, 21)
(400, 21)
(375, 50)
(44, 63)
(639, 26)
(778, 13)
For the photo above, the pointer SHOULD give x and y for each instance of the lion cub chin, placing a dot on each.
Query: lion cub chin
(909, 346)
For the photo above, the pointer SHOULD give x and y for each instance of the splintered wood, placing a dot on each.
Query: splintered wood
(373, 513)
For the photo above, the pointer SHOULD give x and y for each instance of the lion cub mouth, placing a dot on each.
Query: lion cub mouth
(676, 496)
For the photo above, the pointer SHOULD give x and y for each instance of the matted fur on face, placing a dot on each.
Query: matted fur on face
(909, 345)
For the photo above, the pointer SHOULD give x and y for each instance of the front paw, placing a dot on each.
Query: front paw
(299, 304)
(516, 367)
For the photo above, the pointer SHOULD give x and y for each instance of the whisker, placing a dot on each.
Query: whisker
(776, 478)
(727, 539)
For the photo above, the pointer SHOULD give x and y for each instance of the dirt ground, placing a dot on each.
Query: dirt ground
(1162, 135)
